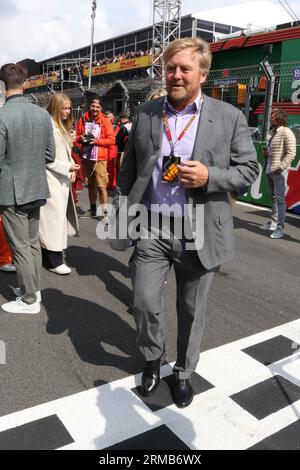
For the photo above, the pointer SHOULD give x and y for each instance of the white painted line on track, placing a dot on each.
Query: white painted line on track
(103, 416)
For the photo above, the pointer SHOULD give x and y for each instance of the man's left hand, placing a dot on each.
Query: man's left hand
(192, 174)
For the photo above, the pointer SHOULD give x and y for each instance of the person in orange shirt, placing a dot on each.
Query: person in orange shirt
(6, 256)
(95, 134)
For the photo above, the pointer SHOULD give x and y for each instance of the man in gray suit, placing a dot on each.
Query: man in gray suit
(26, 145)
(211, 141)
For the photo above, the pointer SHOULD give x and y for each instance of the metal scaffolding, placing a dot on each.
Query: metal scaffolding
(66, 71)
(166, 28)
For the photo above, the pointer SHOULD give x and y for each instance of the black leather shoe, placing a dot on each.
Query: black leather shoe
(183, 393)
(151, 376)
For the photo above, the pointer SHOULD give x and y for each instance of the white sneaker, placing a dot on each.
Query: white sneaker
(18, 293)
(63, 269)
(18, 306)
(8, 268)
(105, 220)
(269, 226)
(278, 233)
(102, 213)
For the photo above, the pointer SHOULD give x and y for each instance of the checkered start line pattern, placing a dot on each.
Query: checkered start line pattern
(247, 396)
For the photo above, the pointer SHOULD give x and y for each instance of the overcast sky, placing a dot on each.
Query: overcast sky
(39, 30)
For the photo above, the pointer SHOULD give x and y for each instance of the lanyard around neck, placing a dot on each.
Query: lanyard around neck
(182, 134)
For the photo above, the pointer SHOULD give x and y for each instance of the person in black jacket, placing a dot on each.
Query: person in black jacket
(122, 137)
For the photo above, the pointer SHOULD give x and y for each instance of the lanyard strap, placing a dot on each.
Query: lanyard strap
(181, 135)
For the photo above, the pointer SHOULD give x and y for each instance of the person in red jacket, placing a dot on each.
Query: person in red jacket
(95, 134)
(76, 151)
(6, 256)
(112, 155)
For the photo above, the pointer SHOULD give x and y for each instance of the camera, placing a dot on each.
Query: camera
(87, 139)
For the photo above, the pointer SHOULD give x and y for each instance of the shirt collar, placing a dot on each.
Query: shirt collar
(20, 95)
(195, 106)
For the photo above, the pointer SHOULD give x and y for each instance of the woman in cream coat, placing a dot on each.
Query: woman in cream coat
(58, 217)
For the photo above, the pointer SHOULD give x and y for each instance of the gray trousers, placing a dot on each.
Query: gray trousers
(22, 228)
(149, 266)
(277, 187)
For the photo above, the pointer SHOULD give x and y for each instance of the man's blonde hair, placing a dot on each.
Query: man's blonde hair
(197, 45)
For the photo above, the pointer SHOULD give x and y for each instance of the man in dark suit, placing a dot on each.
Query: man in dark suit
(26, 145)
(185, 154)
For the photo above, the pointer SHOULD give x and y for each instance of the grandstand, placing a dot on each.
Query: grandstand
(120, 71)
(121, 66)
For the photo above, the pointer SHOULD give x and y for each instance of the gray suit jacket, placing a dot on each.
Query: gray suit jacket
(223, 143)
(26, 145)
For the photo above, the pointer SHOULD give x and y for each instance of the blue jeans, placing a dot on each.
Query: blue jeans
(277, 186)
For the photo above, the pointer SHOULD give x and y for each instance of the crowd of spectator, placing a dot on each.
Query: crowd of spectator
(118, 58)
(51, 76)
(84, 65)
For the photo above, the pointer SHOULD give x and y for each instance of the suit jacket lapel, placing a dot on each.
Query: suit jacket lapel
(156, 133)
(204, 130)
(157, 125)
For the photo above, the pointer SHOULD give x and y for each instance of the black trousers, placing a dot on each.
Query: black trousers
(52, 259)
